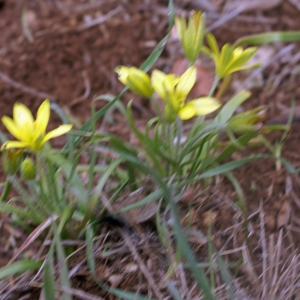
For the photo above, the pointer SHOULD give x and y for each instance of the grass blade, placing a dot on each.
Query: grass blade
(48, 281)
(20, 266)
(270, 37)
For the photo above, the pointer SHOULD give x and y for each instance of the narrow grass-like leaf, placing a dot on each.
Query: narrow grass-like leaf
(229, 166)
(234, 147)
(145, 141)
(154, 196)
(20, 212)
(270, 37)
(155, 54)
(204, 132)
(289, 166)
(50, 184)
(20, 266)
(210, 256)
(173, 291)
(48, 281)
(92, 153)
(127, 295)
(74, 183)
(108, 98)
(171, 14)
(89, 234)
(64, 273)
(97, 192)
(226, 112)
(226, 277)
(65, 217)
(70, 138)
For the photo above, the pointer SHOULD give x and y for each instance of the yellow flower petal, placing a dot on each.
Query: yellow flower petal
(205, 105)
(13, 144)
(123, 73)
(42, 116)
(157, 79)
(187, 112)
(11, 127)
(201, 106)
(186, 82)
(163, 84)
(62, 129)
(22, 116)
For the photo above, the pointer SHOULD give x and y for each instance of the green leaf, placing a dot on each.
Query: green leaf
(229, 166)
(174, 291)
(64, 273)
(48, 280)
(74, 183)
(65, 217)
(20, 266)
(267, 38)
(234, 147)
(154, 196)
(226, 112)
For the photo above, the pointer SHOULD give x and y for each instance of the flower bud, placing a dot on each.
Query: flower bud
(136, 80)
(191, 34)
(28, 171)
(11, 161)
(248, 121)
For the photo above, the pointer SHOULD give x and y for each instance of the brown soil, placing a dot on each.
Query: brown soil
(47, 50)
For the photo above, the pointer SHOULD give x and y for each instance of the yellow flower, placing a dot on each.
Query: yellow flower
(174, 90)
(31, 134)
(136, 80)
(191, 34)
(230, 59)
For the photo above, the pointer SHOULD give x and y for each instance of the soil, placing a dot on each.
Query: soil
(50, 49)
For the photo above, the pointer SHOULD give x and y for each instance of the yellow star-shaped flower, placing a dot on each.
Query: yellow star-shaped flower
(174, 90)
(229, 59)
(29, 132)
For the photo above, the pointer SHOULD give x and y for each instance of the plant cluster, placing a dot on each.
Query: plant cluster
(51, 193)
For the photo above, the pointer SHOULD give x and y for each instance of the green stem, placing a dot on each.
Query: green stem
(214, 86)
(6, 190)
(223, 86)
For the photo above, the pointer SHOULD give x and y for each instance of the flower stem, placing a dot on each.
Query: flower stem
(6, 190)
(223, 86)
(214, 86)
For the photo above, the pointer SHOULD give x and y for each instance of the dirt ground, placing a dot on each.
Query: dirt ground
(52, 49)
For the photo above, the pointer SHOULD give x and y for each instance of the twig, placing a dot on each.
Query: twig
(100, 20)
(142, 266)
(241, 7)
(26, 89)
(87, 91)
(264, 252)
